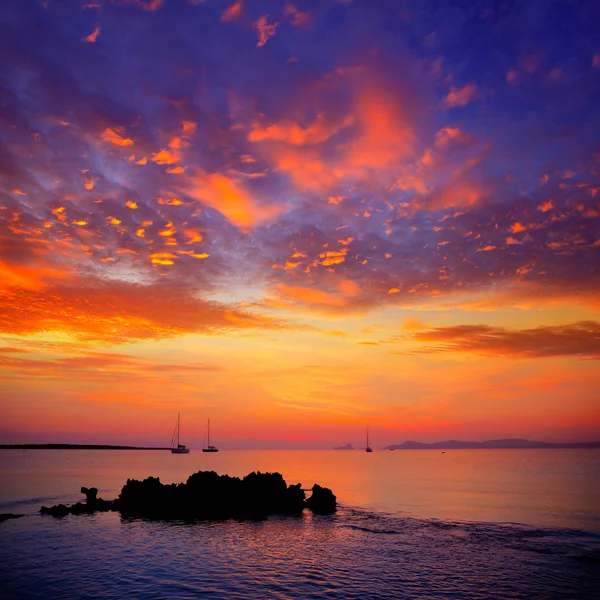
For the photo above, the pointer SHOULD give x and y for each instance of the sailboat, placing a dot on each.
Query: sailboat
(368, 448)
(209, 448)
(180, 448)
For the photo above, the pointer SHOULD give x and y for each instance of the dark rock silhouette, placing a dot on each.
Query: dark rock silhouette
(6, 516)
(59, 510)
(90, 494)
(92, 505)
(346, 447)
(322, 500)
(205, 495)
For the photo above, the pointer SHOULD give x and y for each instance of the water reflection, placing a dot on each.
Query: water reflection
(538, 487)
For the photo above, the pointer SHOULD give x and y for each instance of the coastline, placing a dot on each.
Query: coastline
(74, 447)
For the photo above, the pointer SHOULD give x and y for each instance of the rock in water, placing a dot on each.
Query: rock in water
(6, 516)
(60, 510)
(90, 495)
(92, 504)
(322, 500)
(205, 495)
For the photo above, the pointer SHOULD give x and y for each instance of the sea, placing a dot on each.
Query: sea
(461, 524)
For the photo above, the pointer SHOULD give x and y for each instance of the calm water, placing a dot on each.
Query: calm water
(413, 524)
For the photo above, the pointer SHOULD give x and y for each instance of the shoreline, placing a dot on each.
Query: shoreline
(74, 447)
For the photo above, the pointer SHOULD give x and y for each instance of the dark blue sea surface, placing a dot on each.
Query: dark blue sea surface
(354, 554)
(466, 525)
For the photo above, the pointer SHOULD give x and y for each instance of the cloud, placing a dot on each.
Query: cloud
(449, 136)
(118, 312)
(93, 36)
(111, 136)
(233, 12)
(272, 163)
(362, 139)
(294, 134)
(461, 96)
(229, 196)
(265, 30)
(98, 367)
(580, 340)
(296, 18)
(149, 5)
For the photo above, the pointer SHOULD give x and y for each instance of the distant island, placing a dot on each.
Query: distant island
(73, 447)
(489, 444)
(346, 447)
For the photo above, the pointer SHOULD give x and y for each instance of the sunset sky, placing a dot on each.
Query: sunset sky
(297, 219)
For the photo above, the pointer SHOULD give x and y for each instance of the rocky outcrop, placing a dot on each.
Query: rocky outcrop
(205, 495)
(92, 505)
(6, 516)
(322, 500)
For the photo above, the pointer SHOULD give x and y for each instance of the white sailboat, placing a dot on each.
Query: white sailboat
(209, 448)
(179, 448)
(368, 448)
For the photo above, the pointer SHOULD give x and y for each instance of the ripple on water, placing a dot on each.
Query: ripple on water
(354, 554)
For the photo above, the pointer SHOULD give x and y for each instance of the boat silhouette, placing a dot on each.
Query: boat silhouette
(209, 448)
(179, 448)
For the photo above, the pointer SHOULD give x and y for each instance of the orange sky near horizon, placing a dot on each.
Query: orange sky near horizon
(307, 224)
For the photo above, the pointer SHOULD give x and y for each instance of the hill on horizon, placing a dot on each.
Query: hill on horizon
(509, 443)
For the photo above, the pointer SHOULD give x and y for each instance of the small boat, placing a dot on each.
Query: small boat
(368, 448)
(179, 448)
(209, 448)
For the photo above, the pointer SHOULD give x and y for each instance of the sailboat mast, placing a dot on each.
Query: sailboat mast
(367, 436)
(208, 435)
(178, 417)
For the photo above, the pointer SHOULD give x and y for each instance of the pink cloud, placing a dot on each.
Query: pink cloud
(460, 96)
(265, 30)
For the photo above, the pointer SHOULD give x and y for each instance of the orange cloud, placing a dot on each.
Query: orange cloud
(150, 5)
(579, 339)
(265, 30)
(89, 182)
(29, 277)
(339, 294)
(230, 198)
(292, 133)
(162, 258)
(386, 133)
(178, 142)
(460, 193)
(188, 127)
(93, 36)
(164, 157)
(233, 12)
(297, 18)
(168, 231)
(448, 135)
(118, 312)
(112, 137)
(460, 96)
(333, 257)
(310, 296)
(378, 133)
